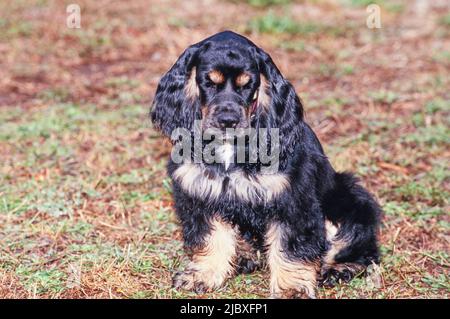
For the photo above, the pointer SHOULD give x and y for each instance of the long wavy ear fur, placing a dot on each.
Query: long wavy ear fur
(285, 109)
(176, 102)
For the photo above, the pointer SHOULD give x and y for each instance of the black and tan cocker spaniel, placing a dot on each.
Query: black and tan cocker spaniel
(306, 222)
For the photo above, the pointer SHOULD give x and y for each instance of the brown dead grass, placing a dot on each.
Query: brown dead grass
(365, 91)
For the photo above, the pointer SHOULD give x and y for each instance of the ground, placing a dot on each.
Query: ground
(85, 204)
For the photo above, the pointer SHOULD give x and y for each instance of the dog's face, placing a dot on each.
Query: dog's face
(228, 82)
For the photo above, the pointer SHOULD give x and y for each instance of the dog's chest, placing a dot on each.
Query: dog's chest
(205, 184)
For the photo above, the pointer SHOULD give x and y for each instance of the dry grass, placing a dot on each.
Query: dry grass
(85, 207)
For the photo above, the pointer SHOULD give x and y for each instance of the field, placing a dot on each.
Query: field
(85, 204)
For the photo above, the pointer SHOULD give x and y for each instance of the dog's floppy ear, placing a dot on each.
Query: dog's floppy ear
(285, 110)
(176, 103)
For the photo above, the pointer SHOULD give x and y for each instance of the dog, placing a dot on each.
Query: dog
(306, 223)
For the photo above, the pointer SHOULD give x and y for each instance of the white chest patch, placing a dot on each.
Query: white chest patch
(226, 154)
(260, 188)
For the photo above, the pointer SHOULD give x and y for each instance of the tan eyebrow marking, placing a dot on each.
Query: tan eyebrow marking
(242, 79)
(216, 76)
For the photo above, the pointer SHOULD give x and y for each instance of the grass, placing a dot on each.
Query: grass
(383, 96)
(445, 20)
(272, 23)
(267, 3)
(296, 46)
(285, 24)
(391, 6)
(86, 209)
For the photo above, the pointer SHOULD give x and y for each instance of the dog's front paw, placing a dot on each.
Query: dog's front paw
(188, 280)
(339, 273)
(332, 277)
(198, 281)
(301, 292)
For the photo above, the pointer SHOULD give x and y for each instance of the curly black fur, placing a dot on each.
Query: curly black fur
(317, 193)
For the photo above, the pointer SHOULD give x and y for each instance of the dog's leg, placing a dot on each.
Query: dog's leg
(344, 260)
(290, 276)
(352, 225)
(213, 262)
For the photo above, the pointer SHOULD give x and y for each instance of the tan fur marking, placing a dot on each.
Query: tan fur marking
(275, 184)
(242, 79)
(263, 93)
(337, 244)
(257, 188)
(288, 278)
(191, 89)
(330, 229)
(216, 76)
(193, 181)
(214, 263)
(205, 112)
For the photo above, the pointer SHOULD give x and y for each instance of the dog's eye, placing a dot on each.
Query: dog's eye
(210, 84)
(244, 88)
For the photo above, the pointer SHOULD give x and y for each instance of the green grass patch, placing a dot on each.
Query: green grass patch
(41, 281)
(418, 191)
(437, 282)
(433, 135)
(264, 3)
(297, 46)
(273, 23)
(391, 6)
(384, 96)
(445, 20)
(437, 105)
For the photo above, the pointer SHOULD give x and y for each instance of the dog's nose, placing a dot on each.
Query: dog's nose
(228, 120)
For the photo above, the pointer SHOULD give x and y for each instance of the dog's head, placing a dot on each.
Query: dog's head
(228, 82)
